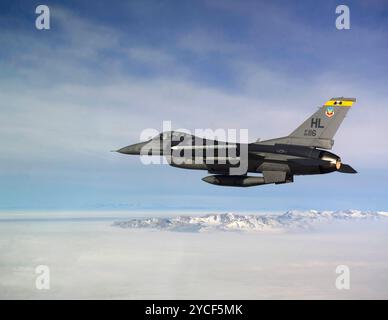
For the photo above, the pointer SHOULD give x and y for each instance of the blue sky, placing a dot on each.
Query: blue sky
(109, 69)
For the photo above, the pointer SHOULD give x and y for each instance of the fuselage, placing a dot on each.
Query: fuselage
(217, 157)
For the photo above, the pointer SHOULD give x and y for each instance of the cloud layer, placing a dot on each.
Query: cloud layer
(91, 259)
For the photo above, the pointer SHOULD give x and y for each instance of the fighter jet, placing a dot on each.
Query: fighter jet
(303, 152)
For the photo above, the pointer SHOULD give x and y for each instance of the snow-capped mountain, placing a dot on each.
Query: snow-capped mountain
(290, 220)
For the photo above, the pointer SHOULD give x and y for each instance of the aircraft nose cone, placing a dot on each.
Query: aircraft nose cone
(126, 150)
(131, 149)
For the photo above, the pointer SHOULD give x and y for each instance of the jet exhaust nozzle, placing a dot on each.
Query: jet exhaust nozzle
(234, 181)
(333, 162)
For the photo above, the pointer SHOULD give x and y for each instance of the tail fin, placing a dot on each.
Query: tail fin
(319, 129)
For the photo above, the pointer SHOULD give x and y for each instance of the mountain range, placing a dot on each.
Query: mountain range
(288, 221)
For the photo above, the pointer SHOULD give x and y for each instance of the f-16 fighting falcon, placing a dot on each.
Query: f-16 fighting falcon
(303, 152)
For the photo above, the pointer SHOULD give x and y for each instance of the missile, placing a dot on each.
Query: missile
(234, 181)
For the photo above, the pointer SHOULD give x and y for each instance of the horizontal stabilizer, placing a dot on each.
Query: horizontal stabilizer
(345, 168)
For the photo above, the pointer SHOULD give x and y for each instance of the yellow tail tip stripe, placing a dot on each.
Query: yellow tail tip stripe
(340, 102)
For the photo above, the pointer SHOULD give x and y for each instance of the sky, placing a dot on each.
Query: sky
(107, 70)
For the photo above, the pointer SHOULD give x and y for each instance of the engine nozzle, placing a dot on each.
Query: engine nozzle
(333, 162)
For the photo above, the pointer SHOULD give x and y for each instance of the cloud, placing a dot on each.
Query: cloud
(91, 259)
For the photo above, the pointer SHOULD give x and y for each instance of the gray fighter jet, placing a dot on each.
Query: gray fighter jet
(303, 152)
